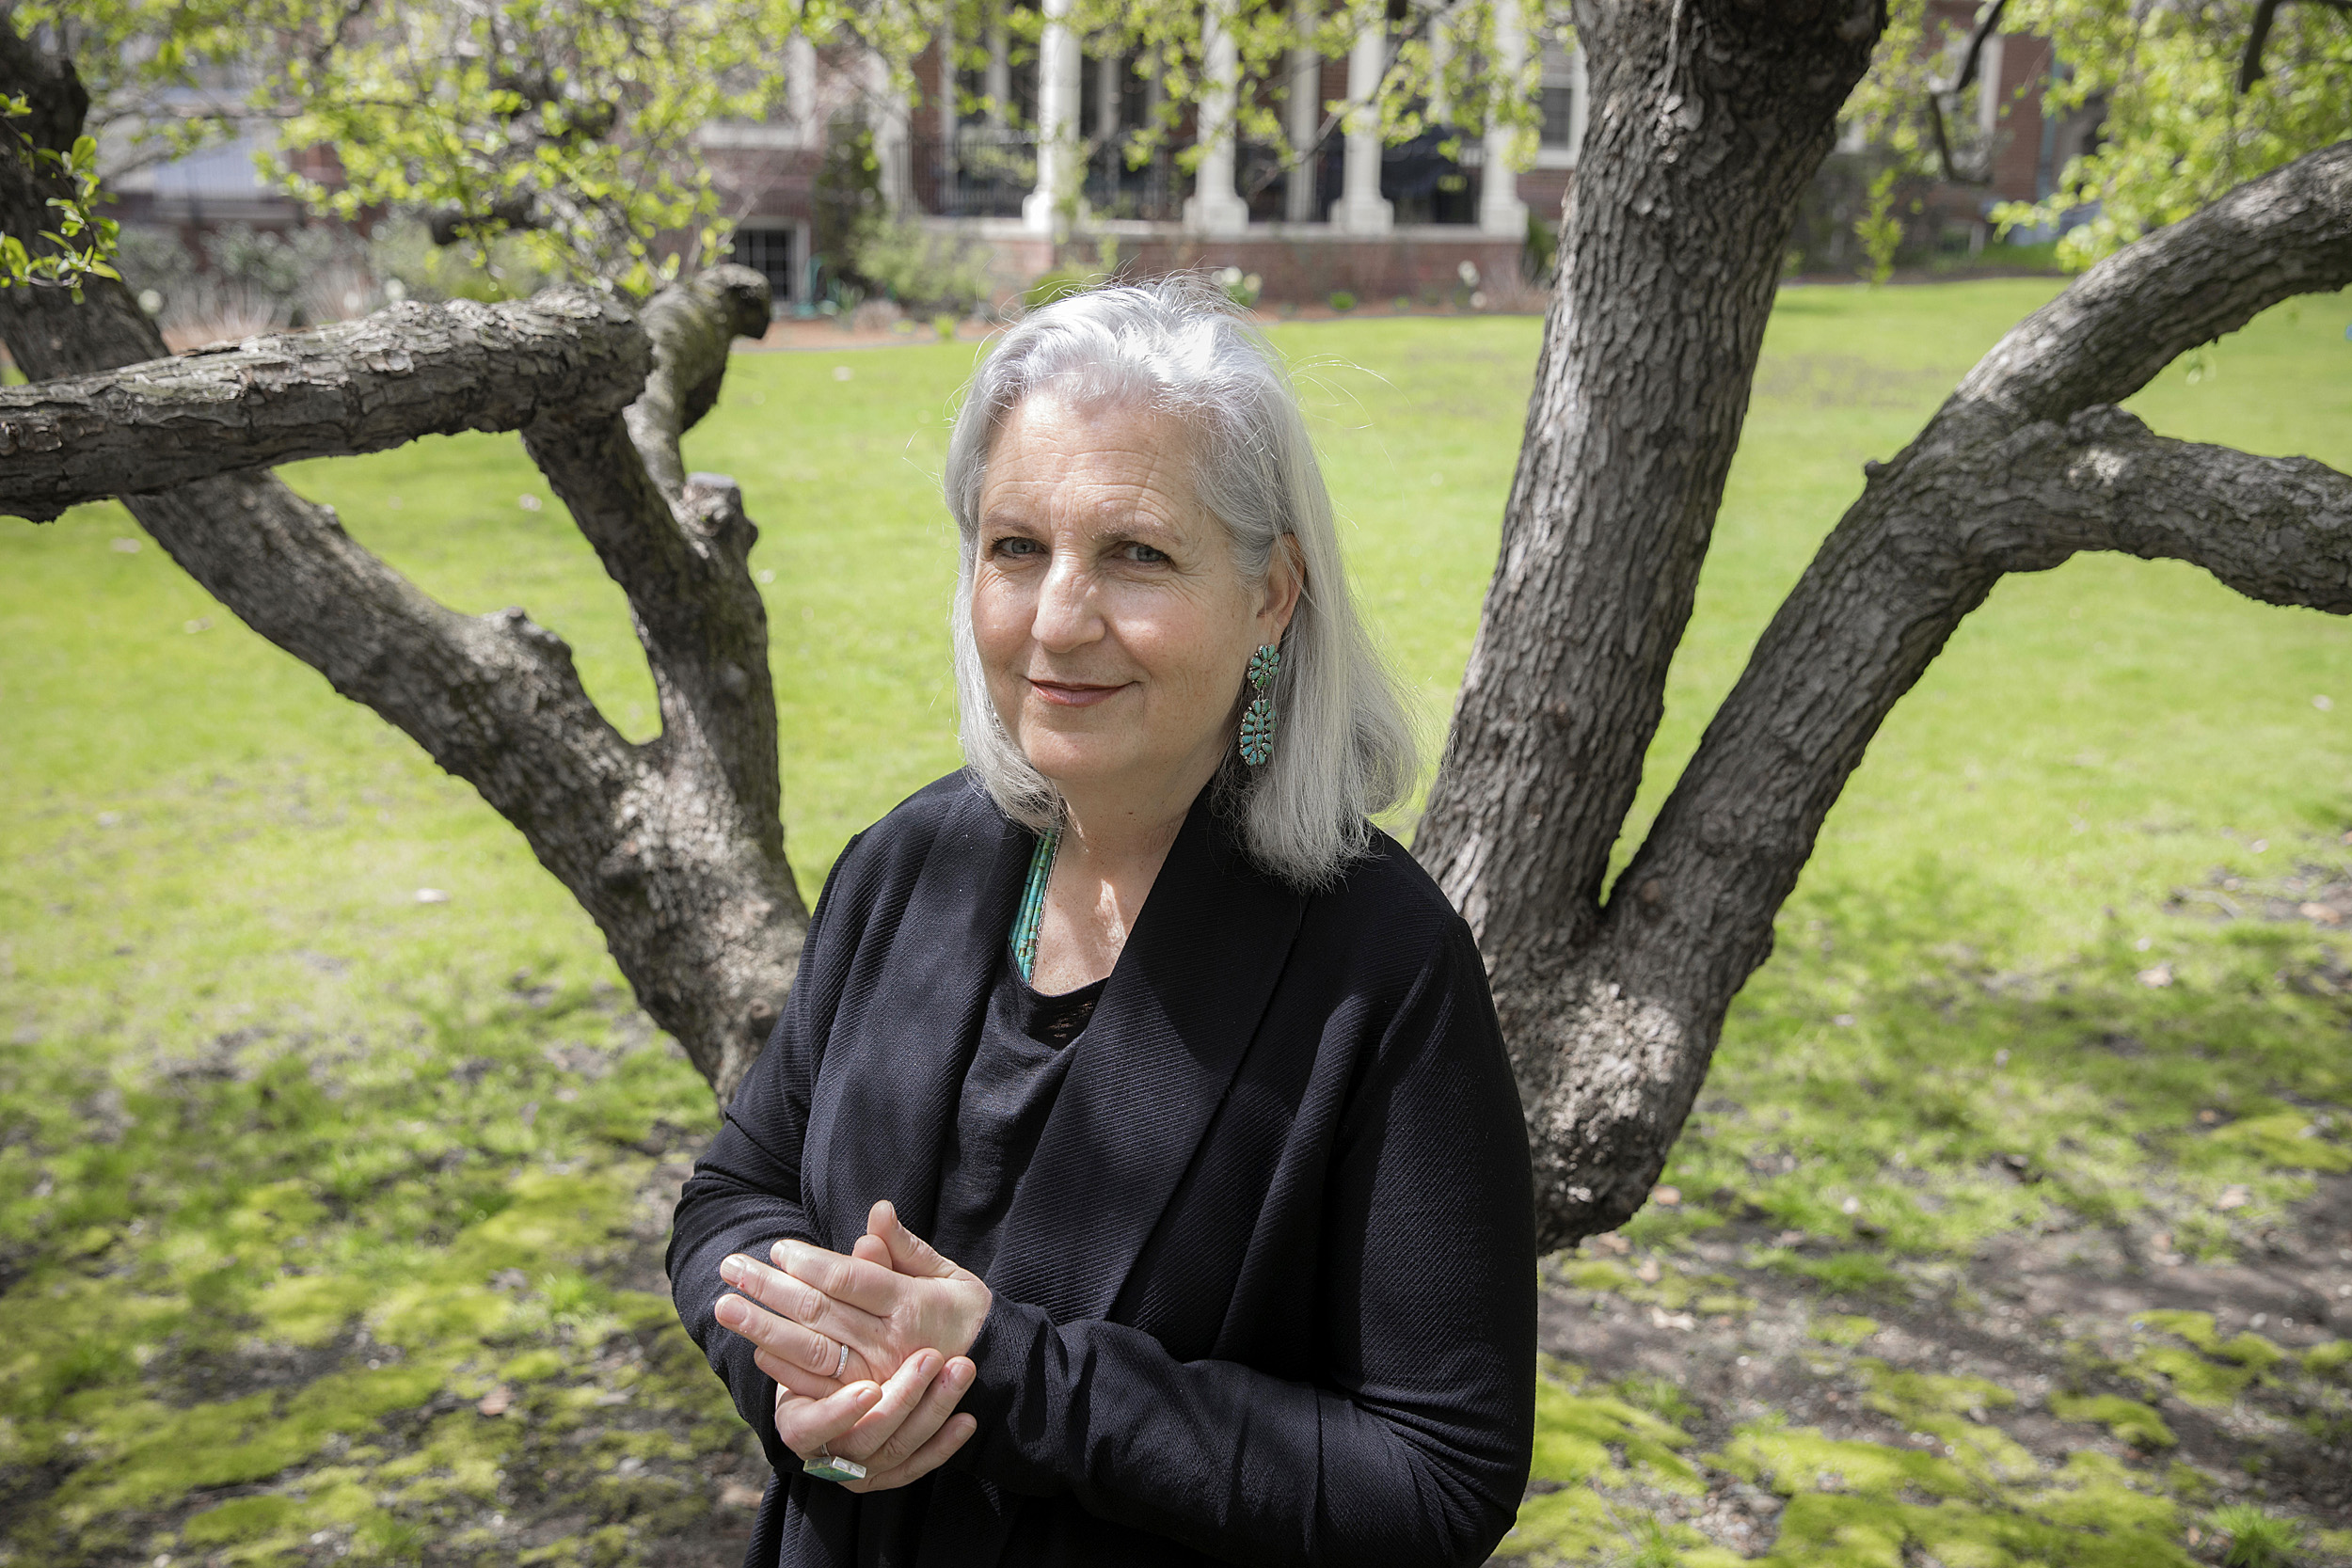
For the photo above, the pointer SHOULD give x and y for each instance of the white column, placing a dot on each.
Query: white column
(1362, 209)
(891, 141)
(799, 90)
(1215, 207)
(1108, 78)
(1043, 212)
(1306, 118)
(998, 86)
(1499, 209)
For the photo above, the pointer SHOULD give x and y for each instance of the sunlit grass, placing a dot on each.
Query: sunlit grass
(258, 1099)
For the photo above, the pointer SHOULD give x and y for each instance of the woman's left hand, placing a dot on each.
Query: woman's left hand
(884, 1313)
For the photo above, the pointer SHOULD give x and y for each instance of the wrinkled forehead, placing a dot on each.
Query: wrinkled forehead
(1065, 441)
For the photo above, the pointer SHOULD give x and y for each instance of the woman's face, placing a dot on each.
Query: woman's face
(1111, 621)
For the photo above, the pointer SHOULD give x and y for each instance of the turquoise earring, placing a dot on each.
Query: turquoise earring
(1257, 719)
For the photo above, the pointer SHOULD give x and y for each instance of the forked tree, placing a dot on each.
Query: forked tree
(1708, 118)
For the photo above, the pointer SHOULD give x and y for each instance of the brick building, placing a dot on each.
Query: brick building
(2004, 147)
(1047, 178)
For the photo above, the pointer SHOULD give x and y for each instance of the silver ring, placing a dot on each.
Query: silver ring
(842, 1365)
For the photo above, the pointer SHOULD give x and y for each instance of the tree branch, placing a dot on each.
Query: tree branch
(692, 326)
(1972, 52)
(675, 849)
(355, 387)
(2249, 65)
(1612, 1030)
(681, 553)
(1611, 1068)
(2287, 233)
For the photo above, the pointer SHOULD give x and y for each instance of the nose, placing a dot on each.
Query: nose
(1065, 614)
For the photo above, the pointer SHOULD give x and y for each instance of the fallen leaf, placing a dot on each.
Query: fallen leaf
(2157, 978)
(497, 1401)
(736, 1495)
(1666, 1196)
(1647, 1272)
(1613, 1242)
(431, 895)
(2233, 1197)
(2320, 912)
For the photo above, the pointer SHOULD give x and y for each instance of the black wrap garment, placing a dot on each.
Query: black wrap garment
(1264, 1292)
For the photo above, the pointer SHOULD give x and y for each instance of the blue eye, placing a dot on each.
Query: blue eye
(1144, 554)
(1016, 544)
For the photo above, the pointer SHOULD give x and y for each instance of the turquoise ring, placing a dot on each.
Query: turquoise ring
(826, 1467)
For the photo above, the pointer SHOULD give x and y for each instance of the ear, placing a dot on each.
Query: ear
(1285, 580)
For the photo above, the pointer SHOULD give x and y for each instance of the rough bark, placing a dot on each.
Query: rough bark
(673, 847)
(1615, 1010)
(1708, 120)
(355, 387)
(693, 326)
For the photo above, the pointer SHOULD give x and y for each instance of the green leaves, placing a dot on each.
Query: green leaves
(82, 246)
(2175, 133)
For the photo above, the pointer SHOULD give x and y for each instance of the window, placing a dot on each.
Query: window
(1560, 115)
(769, 253)
(1563, 105)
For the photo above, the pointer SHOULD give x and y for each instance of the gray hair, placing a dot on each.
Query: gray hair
(1345, 749)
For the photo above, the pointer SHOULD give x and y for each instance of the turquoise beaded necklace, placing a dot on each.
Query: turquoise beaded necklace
(1032, 916)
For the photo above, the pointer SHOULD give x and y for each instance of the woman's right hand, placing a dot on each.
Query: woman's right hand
(797, 1357)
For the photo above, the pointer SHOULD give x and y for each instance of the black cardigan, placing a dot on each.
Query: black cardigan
(1267, 1292)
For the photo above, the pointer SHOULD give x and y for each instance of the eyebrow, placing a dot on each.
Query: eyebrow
(1128, 524)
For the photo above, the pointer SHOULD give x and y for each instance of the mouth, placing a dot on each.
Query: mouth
(1074, 693)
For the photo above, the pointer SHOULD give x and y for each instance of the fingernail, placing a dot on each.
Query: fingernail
(926, 1366)
(731, 1270)
(729, 1311)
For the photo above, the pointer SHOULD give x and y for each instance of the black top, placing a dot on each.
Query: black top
(1008, 1091)
(1265, 1291)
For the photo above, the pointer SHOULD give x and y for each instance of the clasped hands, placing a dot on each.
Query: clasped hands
(904, 1315)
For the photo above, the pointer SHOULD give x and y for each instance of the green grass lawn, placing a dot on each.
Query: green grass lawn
(297, 1169)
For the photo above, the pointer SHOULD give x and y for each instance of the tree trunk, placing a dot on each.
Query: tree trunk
(676, 847)
(1708, 120)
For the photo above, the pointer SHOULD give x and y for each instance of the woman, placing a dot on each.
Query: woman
(1188, 1074)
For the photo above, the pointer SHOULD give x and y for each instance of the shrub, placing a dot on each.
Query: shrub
(1541, 254)
(403, 253)
(1242, 288)
(847, 203)
(2257, 1539)
(1343, 300)
(922, 271)
(242, 280)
